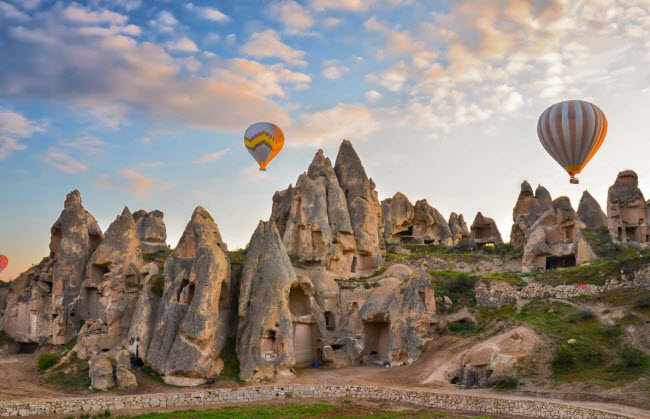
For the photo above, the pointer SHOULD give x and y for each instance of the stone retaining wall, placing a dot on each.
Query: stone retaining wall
(215, 397)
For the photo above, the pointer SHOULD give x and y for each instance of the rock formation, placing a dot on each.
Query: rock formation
(112, 282)
(331, 218)
(265, 335)
(590, 213)
(396, 316)
(458, 227)
(429, 226)
(484, 231)
(145, 313)
(527, 209)
(196, 305)
(626, 210)
(151, 230)
(555, 239)
(41, 304)
(398, 215)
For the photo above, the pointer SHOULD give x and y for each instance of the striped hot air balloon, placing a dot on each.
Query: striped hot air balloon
(3, 262)
(264, 141)
(572, 132)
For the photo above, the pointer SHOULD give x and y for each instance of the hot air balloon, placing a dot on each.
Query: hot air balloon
(3, 262)
(264, 141)
(572, 132)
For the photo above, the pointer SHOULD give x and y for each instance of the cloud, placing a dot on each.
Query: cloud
(254, 174)
(353, 5)
(211, 157)
(183, 44)
(88, 144)
(209, 13)
(397, 43)
(131, 181)
(111, 75)
(164, 22)
(267, 44)
(292, 15)
(330, 126)
(10, 12)
(372, 96)
(63, 162)
(14, 127)
(334, 70)
(146, 140)
(269, 79)
(76, 13)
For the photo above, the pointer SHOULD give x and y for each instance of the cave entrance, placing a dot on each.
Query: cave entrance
(482, 233)
(632, 234)
(298, 302)
(91, 309)
(330, 321)
(27, 347)
(353, 268)
(554, 262)
(406, 233)
(375, 339)
(303, 343)
(97, 273)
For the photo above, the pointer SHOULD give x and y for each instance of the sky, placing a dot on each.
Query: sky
(144, 103)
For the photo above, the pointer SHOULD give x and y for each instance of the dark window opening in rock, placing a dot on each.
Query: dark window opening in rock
(330, 321)
(455, 380)
(423, 297)
(91, 309)
(179, 294)
(190, 293)
(482, 232)
(620, 234)
(97, 273)
(568, 234)
(105, 350)
(631, 234)
(432, 241)
(95, 241)
(336, 346)
(298, 302)
(56, 239)
(27, 347)
(353, 268)
(272, 335)
(375, 338)
(406, 233)
(554, 262)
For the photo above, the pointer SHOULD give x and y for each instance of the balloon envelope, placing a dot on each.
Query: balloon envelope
(264, 141)
(572, 132)
(3, 262)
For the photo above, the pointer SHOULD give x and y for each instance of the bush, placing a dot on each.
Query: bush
(157, 285)
(46, 361)
(506, 383)
(642, 302)
(462, 246)
(589, 354)
(583, 313)
(462, 327)
(5, 339)
(629, 358)
(610, 332)
(563, 359)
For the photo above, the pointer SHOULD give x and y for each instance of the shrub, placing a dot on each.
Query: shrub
(5, 339)
(589, 354)
(642, 302)
(629, 358)
(563, 359)
(462, 327)
(46, 361)
(157, 285)
(506, 383)
(462, 246)
(609, 331)
(583, 313)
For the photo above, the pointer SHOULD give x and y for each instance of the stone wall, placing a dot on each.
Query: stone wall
(354, 292)
(518, 407)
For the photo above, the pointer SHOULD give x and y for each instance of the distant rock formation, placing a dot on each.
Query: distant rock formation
(151, 230)
(265, 334)
(429, 226)
(458, 227)
(196, 306)
(484, 231)
(626, 210)
(41, 303)
(332, 217)
(398, 213)
(527, 209)
(590, 213)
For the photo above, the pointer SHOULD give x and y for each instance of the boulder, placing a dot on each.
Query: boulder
(458, 227)
(626, 209)
(101, 373)
(398, 215)
(363, 206)
(40, 303)
(151, 230)
(590, 213)
(265, 336)
(429, 226)
(196, 305)
(484, 231)
(124, 378)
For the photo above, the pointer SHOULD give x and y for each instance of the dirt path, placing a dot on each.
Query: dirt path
(19, 379)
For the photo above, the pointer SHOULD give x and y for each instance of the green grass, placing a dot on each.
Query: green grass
(157, 285)
(5, 339)
(237, 256)
(46, 361)
(76, 379)
(465, 328)
(507, 383)
(458, 286)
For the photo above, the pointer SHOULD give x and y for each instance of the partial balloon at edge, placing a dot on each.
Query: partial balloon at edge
(263, 140)
(3, 262)
(572, 132)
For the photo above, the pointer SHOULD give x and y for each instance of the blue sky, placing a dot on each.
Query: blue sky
(143, 103)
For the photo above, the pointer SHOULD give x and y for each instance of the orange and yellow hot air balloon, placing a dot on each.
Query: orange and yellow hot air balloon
(3, 262)
(264, 141)
(572, 132)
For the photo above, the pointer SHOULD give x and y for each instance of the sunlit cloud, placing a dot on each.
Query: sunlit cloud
(211, 157)
(63, 162)
(292, 15)
(267, 44)
(14, 127)
(209, 13)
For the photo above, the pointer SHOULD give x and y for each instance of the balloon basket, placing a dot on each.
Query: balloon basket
(262, 169)
(574, 181)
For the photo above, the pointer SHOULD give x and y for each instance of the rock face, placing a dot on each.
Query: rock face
(398, 215)
(527, 209)
(151, 230)
(145, 313)
(112, 281)
(555, 240)
(41, 303)
(626, 210)
(458, 227)
(590, 213)
(195, 315)
(396, 316)
(484, 231)
(265, 334)
(363, 206)
(332, 217)
(429, 226)
(101, 374)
